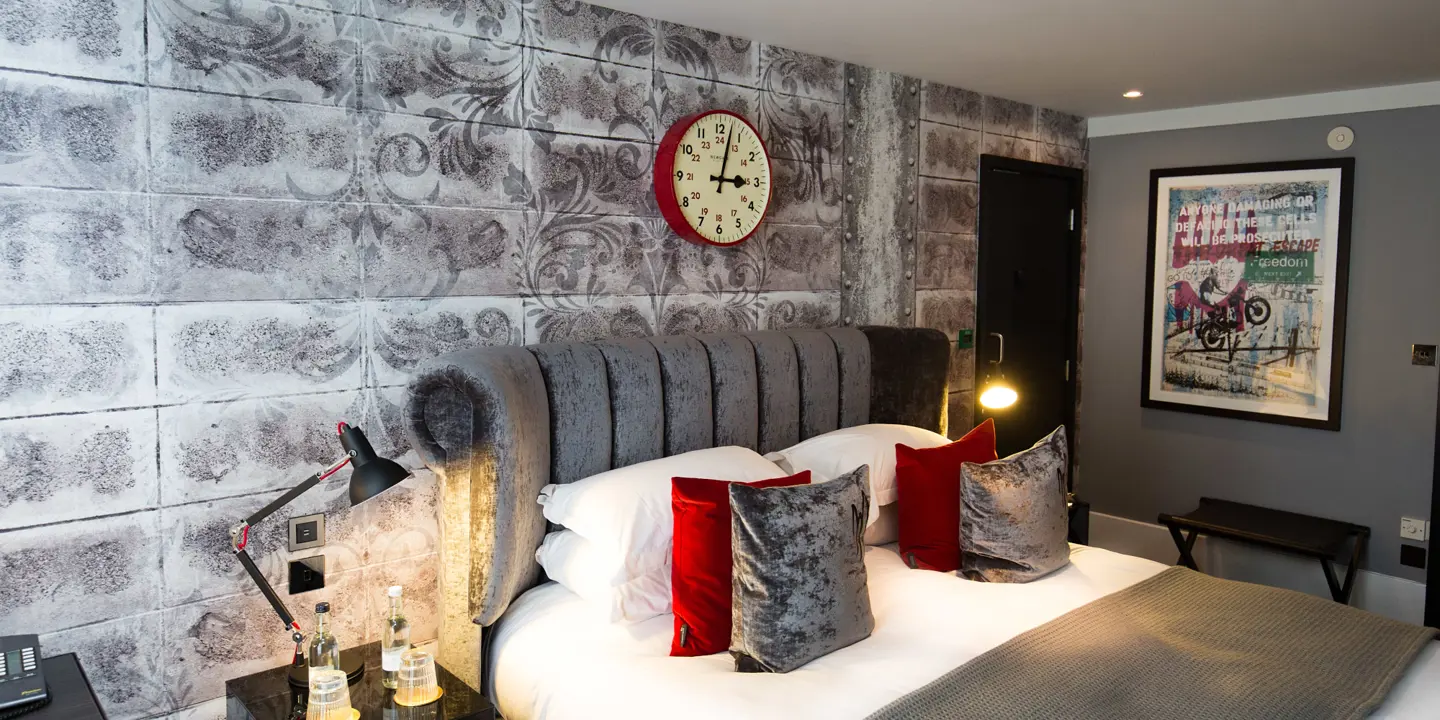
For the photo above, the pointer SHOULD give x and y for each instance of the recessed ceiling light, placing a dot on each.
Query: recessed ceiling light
(1134, 94)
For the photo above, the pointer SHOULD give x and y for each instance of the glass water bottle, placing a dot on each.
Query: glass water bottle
(324, 651)
(395, 641)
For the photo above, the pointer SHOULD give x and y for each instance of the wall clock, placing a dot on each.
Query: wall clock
(712, 178)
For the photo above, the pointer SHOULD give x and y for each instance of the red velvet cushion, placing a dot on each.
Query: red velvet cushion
(927, 486)
(700, 573)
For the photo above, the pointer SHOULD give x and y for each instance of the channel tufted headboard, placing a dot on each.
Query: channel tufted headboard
(496, 424)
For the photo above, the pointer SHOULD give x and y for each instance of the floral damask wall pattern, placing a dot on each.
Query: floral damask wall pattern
(225, 224)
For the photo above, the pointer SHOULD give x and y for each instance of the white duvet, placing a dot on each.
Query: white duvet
(553, 659)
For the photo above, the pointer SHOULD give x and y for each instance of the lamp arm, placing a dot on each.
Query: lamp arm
(269, 592)
(295, 492)
(240, 537)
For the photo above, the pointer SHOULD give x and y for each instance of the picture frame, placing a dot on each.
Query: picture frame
(1247, 271)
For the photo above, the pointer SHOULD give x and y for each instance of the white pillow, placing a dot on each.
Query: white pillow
(886, 528)
(573, 562)
(838, 452)
(625, 514)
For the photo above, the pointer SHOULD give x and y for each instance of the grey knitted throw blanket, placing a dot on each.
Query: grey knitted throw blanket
(1182, 645)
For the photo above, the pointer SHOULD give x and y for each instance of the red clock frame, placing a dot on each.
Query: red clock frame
(665, 183)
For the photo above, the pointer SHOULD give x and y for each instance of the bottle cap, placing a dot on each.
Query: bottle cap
(322, 607)
(394, 591)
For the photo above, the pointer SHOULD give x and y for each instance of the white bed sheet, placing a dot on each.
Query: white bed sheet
(553, 658)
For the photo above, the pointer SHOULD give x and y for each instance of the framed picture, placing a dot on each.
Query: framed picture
(1245, 294)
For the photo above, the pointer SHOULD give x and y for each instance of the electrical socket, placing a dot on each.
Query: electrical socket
(1412, 556)
(307, 574)
(1414, 529)
(307, 531)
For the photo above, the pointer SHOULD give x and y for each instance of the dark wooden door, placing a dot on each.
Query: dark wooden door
(1028, 285)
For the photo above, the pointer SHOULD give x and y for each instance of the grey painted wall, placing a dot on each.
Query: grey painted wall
(226, 224)
(1139, 463)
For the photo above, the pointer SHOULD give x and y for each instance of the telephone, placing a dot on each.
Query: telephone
(22, 682)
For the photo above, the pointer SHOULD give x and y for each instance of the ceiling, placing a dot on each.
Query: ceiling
(1080, 55)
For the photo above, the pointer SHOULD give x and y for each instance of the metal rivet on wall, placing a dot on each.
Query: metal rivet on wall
(848, 320)
(910, 237)
(907, 312)
(852, 81)
(910, 199)
(850, 160)
(914, 89)
(912, 161)
(909, 274)
(847, 284)
(849, 198)
(850, 122)
(912, 124)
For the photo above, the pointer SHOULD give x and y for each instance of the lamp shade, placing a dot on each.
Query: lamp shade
(371, 474)
(997, 393)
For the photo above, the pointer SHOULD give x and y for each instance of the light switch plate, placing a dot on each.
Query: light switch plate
(307, 531)
(1414, 529)
(1422, 355)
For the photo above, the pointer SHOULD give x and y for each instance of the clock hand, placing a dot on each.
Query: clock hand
(724, 162)
(738, 180)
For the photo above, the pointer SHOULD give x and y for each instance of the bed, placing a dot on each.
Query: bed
(609, 670)
(497, 424)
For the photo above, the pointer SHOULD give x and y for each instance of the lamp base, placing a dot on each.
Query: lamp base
(352, 663)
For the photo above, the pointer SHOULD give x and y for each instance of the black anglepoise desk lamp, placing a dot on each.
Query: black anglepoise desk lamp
(370, 476)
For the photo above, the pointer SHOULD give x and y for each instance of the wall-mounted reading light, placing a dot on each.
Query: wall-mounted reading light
(997, 393)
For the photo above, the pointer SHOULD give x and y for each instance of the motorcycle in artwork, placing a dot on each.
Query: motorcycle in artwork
(1246, 291)
(1217, 323)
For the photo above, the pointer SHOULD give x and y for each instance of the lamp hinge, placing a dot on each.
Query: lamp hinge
(1072, 218)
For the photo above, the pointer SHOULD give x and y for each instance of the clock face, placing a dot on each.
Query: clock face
(712, 178)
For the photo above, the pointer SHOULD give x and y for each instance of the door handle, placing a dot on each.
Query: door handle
(1001, 338)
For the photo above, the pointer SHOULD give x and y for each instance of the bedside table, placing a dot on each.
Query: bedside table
(268, 696)
(72, 698)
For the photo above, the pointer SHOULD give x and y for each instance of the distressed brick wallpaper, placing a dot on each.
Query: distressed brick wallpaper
(226, 224)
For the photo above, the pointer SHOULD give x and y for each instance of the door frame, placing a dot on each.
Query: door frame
(1075, 178)
(1432, 564)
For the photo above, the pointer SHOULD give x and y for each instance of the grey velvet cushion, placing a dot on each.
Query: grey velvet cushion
(1013, 520)
(799, 587)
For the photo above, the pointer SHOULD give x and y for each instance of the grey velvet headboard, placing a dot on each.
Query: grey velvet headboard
(496, 424)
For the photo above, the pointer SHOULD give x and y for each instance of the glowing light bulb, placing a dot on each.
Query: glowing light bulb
(1132, 94)
(998, 395)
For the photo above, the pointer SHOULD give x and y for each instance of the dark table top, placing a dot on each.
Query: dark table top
(268, 696)
(71, 697)
(1320, 537)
